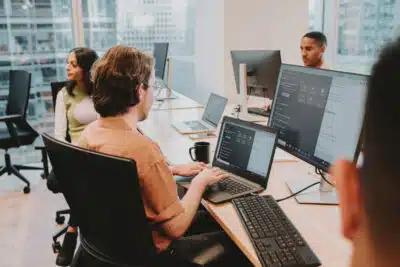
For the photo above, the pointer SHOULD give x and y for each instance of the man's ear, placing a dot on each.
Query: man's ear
(140, 92)
(323, 48)
(347, 179)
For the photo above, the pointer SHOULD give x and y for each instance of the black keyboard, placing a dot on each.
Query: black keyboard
(259, 111)
(275, 239)
(232, 187)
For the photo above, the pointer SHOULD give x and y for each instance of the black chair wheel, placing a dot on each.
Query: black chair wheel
(43, 176)
(56, 247)
(27, 190)
(60, 219)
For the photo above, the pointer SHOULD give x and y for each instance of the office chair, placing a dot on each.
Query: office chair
(105, 194)
(55, 88)
(60, 218)
(18, 132)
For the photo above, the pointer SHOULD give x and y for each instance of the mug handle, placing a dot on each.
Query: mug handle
(190, 153)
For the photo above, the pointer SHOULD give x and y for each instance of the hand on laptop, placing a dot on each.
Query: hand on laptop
(187, 170)
(210, 176)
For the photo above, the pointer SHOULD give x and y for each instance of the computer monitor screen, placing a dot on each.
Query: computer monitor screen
(246, 149)
(319, 114)
(262, 68)
(214, 109)
(160, 54)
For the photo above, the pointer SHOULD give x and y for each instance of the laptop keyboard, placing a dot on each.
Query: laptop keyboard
(195, 125)
(232, 187)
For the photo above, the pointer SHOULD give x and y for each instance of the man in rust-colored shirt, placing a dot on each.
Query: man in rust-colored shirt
(123, 95)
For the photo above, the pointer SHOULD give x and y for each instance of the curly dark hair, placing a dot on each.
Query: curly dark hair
(85, 58)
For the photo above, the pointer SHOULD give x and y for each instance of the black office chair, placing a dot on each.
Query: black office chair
(19, 132)
(60, 218)
(55, 88)
(104, 192)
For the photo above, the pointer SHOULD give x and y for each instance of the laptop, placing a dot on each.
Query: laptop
(211, 116)
(246, 151)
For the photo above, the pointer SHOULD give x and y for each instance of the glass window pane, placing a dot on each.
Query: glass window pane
(361, 29)
(141, 23)
(36, 36)
(315, 13)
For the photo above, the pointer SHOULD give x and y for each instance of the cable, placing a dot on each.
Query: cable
(321, 173)
(298, 192)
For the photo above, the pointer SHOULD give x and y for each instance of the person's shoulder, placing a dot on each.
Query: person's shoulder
(88, 133)
(63, 90)
(145, 147)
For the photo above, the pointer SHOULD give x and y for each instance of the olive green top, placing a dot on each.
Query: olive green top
(77, 111)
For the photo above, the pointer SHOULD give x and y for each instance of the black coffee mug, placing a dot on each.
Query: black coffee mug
(201, 152)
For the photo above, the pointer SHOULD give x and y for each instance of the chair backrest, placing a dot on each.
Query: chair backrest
(104, 193)
(55, 88)
(18, 95)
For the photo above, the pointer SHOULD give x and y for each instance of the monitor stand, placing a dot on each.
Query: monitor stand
(245, 116)
(165, 94)
(323, 194)
(242, 107)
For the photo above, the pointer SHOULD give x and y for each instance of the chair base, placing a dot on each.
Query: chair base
(14, 169)
(56, 244)
(59, 218)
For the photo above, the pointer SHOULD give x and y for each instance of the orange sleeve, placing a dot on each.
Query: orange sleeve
(159, 193)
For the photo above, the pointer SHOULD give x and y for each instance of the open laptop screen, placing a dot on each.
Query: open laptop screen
(214, 109)
(245, 149)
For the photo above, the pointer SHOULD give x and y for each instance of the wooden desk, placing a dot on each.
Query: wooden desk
(319, 225)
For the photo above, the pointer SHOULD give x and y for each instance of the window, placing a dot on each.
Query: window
(357, 30)
(141, 23)
(36, 36)
(315, 12)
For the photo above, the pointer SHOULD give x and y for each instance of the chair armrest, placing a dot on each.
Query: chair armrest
(9, 120)
(12, 117)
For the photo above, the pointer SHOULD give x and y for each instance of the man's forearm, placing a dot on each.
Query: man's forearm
(190, 202)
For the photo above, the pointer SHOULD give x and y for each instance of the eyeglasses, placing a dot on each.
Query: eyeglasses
(154, 86)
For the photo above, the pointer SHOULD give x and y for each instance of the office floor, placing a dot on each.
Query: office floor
(27, 222)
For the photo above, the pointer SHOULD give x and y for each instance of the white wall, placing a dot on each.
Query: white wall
(225, 25)
(209, 49)
(263, 24)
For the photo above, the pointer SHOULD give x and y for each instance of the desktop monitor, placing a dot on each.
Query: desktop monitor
(319, 114)
(262, 67)
(160, 54)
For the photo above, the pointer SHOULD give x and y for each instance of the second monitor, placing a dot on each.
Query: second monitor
(319, 115)
(262, 71)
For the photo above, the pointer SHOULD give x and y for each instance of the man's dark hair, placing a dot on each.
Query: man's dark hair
(319, 37)
(116, 78)
(85, 58)
(380, 175)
